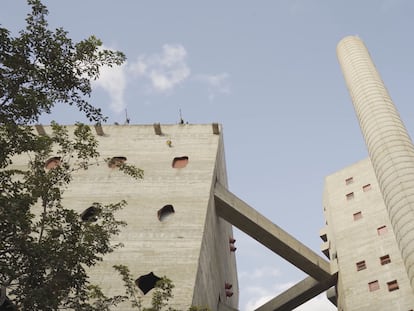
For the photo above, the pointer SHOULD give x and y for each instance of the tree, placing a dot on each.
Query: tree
(43, 258)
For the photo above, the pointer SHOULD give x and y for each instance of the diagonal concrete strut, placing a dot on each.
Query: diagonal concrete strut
(298, 294)
(247, 219)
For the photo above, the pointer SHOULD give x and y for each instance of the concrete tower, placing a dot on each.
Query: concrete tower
(173, 229)
(389, 146)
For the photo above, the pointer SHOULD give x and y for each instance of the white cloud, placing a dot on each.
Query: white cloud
(218, 83)
(165, 70)
(113, 81)
(259, 273)
(259, 295)
(319, 303)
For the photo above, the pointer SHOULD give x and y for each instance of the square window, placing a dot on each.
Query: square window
(393, 285)
(361, 265)
(382, 230)
(349, 180)
(385, 259)
(366, 188)
(373, 286)
(357, 216)
(350, 196)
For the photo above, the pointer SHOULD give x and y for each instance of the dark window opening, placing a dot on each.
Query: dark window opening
(91, 214)
(393, 285)
(180, 162)
(165, 212)
(52, 163)
(385, 260)
(361, 265)
(147, 282)
(116, 162)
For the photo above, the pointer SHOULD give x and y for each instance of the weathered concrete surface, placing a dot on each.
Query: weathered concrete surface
(247, 219)
(298, 294)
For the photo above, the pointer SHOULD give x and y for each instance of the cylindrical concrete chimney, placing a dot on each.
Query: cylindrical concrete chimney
(389, 146)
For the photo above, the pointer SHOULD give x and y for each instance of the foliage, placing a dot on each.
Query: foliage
(45, 248)
(160, 297)
(40, 68)
(43, 259)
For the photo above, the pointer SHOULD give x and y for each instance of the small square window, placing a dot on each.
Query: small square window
(366, 188)
(361, 265)
(382, 230)
(393, 285)
(349, 180)
(357, 216)
(373, 286)
(385, 259)
(349, 196)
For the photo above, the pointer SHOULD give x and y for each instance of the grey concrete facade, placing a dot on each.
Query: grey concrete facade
(191, 247)
(389, 145)
(360, 242)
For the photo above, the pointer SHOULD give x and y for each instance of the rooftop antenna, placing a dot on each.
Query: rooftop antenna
(127, 120)
(181, 117)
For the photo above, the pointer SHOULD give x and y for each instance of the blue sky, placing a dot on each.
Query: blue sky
(266, 70)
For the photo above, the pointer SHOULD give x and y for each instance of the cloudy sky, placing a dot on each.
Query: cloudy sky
(267, 70)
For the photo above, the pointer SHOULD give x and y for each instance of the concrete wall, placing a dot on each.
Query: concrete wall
(352, 241)
(217, 264)
(188, 247)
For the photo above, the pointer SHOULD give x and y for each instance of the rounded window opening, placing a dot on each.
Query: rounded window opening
(180, 162)
(116, 162)
(91, 214)
(53, 163)
(165, 212)
(147, 282)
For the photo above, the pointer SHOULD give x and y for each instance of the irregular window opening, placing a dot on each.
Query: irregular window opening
(116, 162)
(165, 212)
(91, 214)
(393, 285)
(373, 286)
(361, 265)
(53, 163)
(147, 282)
(180, 162)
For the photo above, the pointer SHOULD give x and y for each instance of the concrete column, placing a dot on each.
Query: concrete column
(389, 146)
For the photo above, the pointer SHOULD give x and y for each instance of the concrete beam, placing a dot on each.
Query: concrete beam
(247, 219)
(298, 294)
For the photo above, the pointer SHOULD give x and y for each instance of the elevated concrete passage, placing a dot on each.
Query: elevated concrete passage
(247, 219)
(298, 294)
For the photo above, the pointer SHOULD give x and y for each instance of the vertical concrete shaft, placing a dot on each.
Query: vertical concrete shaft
(389, 146)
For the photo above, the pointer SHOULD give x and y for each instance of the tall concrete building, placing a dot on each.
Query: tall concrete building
(369, 206)
(173, 229)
